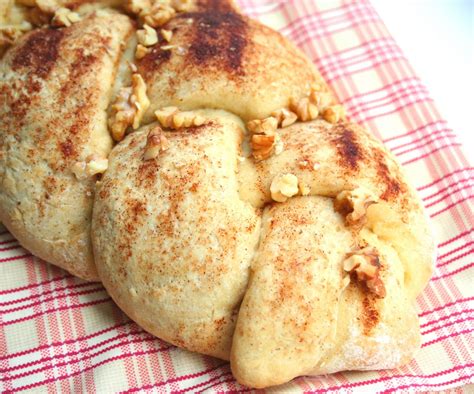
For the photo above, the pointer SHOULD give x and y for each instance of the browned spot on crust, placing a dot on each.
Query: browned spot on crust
(39, 52)
(370, 314)
(349, 149)
(215, 5)
(147, 173)
(67, 148)
(154, 59)
(393, 186)
(219, 39)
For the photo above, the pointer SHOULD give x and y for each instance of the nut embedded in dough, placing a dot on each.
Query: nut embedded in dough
(284, 187)
(147, 36)
(285, 117)
(266, 126)
(156, 142)
(129, 108)
(365, 264)
(334, 113)
(64, 17)
(172, 118)
(304, 109)
(353, 204)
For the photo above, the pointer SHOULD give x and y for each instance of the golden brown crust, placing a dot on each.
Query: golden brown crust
(67, 72)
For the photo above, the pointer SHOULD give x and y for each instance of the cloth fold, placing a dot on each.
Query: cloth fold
(60, 333)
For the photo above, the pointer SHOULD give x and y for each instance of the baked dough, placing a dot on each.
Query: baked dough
(176, 237)
(54, 92)
(252, 222)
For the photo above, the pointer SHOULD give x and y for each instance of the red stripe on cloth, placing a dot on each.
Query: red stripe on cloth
(73, 360)
(463, 320)
(56, 291)
(460, 170)
(450, 194)
(32, 285)
(8, 241)
(442, 256)
(466, 311)
(54, 298)
(176, 379)
(10, 248)
(456, 238)
(442, 338)
(466, 267)
(69, 341)
(85, 304)
(106, 361)
(464, 379)
(14, 258)
(454, 186)
(454, 204)
(456, 258)
(448, 305)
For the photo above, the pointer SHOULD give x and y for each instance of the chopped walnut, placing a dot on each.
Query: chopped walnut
(168, 47)
(129, 108)
(321, 99)
(172, 118)
(283, 187)
(353, 204)
(262, 146)
(166, 34)
(266, 126)
(64, 17)
(285, 117)
(334, 113)
(304, 188)
(147, 36)
(93, 165)
(10, 33)
(304, 109)
(364, 266)
(141, 51)
(156, 142)
(182, 5)
(158, 14)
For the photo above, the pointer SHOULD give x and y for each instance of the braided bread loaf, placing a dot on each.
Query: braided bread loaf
(196, 163)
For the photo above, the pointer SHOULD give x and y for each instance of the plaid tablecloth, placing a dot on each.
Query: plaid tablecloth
(60, 333)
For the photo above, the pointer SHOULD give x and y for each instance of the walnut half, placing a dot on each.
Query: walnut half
(364, 267)
(156, 142)
(173, 118)
(128, 108)
(283, 187)
(353, 204)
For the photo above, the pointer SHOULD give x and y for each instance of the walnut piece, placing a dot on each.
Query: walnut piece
(147, 36)
(334, 114)
(262, 146)
(129, 108)
(364, 267)
(141, 51)
(156, 142)
(285, 117)
(283, 187)
(93, 165)
(304, 108)
(158, 14)
(166, 34)
(64, 17)
(10, 33)
(266, 126)
(173, 118)
(353, 204)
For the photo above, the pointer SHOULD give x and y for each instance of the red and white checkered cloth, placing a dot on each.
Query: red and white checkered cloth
(60, 333)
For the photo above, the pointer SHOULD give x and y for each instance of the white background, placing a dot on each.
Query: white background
(437, 38)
